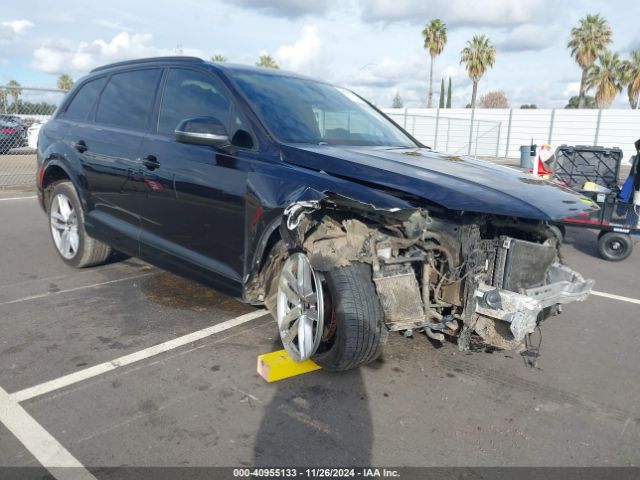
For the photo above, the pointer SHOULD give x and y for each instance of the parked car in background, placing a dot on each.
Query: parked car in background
(32, 134)
(12, 134)
(292, 193)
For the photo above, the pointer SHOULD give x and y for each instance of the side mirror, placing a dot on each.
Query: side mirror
(637, 144)
(202, 131)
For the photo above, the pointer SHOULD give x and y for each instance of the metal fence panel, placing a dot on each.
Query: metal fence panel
(607, 128)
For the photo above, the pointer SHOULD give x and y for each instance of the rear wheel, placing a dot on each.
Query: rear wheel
(334, 317)
(66, 220)
(614, 246)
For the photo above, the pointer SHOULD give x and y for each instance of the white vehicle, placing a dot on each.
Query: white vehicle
(32, 134)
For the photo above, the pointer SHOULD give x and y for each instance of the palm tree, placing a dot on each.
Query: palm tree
(631, 72)
(587, 42)
(606, 77)
(218, 57)
(267, 61)
(65, 82)
(14, 91)
(435, 38)
(478, 55)
(3, 100)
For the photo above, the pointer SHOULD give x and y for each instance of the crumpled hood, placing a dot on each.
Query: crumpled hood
(456, 183)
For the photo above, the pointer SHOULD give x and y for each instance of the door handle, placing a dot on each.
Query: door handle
(151, 162)
(80, 146)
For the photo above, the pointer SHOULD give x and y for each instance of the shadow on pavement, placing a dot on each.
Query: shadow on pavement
(321, 419)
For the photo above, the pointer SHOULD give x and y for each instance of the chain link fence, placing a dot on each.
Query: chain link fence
(23, 111)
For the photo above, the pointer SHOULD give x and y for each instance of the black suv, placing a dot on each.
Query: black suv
(292, 193)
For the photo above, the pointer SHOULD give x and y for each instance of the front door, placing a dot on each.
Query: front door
(193, 216)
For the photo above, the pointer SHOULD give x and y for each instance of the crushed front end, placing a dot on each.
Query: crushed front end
(444, 273)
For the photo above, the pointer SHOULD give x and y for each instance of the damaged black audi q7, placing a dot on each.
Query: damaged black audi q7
(292, 193)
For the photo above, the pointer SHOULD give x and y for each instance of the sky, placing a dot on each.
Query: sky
(374, 47)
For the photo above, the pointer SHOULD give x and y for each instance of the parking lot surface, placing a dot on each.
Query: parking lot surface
(200, 402)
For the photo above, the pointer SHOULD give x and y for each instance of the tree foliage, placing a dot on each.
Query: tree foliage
(589, 102)
(397, 101)
(14, 90)
(605, 77)
(267, 61)
(494, 99)
(435, 39)
(32, 108)
(478, 56)
(587, 42)
(631, 77)
(65, 82)
(218, 58)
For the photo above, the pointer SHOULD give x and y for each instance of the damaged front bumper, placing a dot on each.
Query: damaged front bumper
(522, 310)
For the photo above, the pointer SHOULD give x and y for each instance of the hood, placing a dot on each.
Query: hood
(456, 183)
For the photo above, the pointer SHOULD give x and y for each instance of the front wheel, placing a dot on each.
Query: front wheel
(614, 246)
(333, 317)
(66, 220)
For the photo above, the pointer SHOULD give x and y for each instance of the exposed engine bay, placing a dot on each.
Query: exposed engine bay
(445, 275)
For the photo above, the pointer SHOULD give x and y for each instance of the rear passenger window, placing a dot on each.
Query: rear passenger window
(128, 98)
(84, 100)
(189, 93)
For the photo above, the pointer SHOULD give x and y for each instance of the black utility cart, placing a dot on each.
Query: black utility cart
(581, 167)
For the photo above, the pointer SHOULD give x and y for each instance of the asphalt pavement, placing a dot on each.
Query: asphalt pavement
(80, 368)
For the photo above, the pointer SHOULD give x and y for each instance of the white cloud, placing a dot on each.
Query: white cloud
(18, 26)
(301, 56)
(285, 8)
(59, 57)
(573, 88)
(386, 73)
(528, 37)
(10, 29)
(101, 22)
(491, 13)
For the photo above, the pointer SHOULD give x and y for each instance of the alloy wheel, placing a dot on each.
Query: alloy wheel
(64, 226)
(300, 307)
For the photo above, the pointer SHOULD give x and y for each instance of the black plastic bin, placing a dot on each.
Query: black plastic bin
(576, 165)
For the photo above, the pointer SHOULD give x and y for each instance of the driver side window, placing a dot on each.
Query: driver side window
(189, 93)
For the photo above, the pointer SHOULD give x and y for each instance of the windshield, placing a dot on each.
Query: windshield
(298, 110)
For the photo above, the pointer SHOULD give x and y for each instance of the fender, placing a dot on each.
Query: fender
(276, 187)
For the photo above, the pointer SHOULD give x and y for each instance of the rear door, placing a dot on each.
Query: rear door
(193, 216)
(110, 146)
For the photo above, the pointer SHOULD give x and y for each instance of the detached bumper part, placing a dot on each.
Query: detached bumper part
(521, 310)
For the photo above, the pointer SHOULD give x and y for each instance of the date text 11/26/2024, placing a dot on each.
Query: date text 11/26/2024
(315, 473)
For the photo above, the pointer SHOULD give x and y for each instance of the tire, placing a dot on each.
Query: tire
(614, 246)
(66, 221)
(351, 302)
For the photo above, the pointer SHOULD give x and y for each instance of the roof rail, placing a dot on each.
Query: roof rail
(149, 60)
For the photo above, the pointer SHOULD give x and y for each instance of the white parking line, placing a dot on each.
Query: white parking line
(75, 289)
(16, 198)
(616, 297)
(40, 443)
(90, 372)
